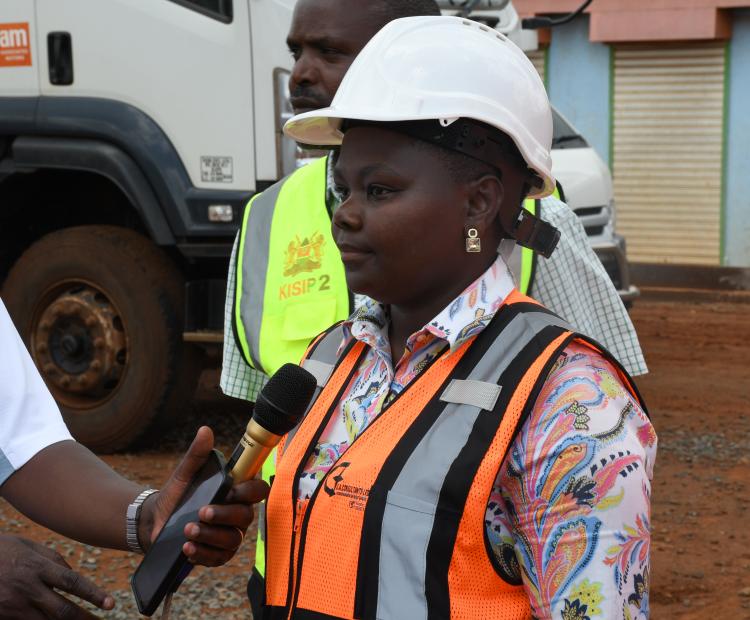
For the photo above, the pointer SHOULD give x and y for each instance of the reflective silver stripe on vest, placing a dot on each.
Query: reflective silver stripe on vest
(320, 370)
(255, 267)
(327, 349)
(411, 504)
(475, 393)
(262, 518)
(322, 357)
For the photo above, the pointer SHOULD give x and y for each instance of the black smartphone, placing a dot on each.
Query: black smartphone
(165, 566)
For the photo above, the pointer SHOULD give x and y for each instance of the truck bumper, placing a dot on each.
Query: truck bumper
(614, 259)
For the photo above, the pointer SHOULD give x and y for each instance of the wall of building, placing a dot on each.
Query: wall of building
(579, 77)
(737, 163)
(578, 74)
(620, 21)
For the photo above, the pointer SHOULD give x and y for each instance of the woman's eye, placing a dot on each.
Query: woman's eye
(378, 191)
(341, 192)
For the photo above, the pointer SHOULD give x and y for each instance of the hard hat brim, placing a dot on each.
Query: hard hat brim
(323, 128)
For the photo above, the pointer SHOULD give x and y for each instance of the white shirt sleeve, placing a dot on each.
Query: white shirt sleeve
(29, 417)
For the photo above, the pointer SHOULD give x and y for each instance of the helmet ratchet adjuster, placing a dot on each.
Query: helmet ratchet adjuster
(534, 233)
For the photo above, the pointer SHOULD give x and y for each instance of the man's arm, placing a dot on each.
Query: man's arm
(69, 490)
(238, 380)
(29, 575)
(89, 498)
(574, 284)
(62, 485)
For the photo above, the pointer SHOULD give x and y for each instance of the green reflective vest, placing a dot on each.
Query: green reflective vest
(525, 271)
(291, 284)
(290, 279)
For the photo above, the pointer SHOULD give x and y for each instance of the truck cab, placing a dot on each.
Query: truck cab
(131, 136)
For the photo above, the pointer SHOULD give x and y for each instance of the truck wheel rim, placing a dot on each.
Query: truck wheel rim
(79, 343)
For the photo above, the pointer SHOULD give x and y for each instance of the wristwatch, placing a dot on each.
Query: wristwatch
(132, 516)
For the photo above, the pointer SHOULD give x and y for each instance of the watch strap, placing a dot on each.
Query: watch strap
(132, 518)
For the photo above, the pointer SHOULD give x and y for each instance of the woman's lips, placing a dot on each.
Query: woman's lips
(351, 253)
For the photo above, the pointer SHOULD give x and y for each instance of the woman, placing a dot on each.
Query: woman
(469, 456)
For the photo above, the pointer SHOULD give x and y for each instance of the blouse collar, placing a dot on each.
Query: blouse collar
(467, 315)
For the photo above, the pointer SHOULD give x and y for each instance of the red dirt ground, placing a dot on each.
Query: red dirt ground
(698, 392)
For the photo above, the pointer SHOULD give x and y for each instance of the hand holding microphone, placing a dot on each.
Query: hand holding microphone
(280, 406)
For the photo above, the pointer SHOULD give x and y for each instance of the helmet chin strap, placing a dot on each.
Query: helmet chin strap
(534, 233)
(530, 231)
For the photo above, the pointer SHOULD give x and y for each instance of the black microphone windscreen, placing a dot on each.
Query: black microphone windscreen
(283, 400)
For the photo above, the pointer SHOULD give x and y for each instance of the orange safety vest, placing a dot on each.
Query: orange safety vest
(396, 530)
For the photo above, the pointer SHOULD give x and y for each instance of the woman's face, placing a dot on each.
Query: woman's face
(401, 227)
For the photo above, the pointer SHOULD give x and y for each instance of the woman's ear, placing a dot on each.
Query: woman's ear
(485, 198)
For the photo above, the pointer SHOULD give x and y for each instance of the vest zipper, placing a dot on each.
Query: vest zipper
(300, 525)
(300, 511)
(302, 506)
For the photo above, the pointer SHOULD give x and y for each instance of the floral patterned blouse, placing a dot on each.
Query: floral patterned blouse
(569, 514)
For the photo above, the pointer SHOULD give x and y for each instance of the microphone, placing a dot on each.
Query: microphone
(280, 406)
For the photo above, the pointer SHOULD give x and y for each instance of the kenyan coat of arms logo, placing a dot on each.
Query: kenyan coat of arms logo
(304, 255)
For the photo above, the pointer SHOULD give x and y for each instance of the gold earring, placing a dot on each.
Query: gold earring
(473, 242)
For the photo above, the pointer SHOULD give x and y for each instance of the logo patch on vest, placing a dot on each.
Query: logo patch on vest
(304, 255)
(335, 486)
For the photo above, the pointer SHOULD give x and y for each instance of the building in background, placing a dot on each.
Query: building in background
(661, 88)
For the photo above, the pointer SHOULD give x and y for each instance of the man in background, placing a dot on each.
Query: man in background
(325, 37)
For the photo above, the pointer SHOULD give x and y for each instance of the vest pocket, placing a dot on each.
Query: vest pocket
(407, 526)
(409, 503)
(305, 320)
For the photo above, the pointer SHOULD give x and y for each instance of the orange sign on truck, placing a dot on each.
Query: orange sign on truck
(15, 45)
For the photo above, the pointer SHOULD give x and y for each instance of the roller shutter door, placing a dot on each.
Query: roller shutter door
(668, 138)
(538, 58)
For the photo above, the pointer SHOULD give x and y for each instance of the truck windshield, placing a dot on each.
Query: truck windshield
(564, 136)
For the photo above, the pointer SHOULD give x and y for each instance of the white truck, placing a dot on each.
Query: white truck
(132, 133)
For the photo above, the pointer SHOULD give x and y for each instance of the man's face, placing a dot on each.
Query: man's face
(325, 38)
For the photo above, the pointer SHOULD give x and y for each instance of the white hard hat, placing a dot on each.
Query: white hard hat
(442, 68)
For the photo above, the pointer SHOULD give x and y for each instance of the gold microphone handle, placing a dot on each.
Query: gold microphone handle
(256, 445)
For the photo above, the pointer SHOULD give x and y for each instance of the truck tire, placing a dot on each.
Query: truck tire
(101, 310)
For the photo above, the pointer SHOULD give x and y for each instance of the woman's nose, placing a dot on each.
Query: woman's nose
(347, 215)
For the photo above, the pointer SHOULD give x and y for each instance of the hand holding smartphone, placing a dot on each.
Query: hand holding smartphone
(165, 565)
(279, 407)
